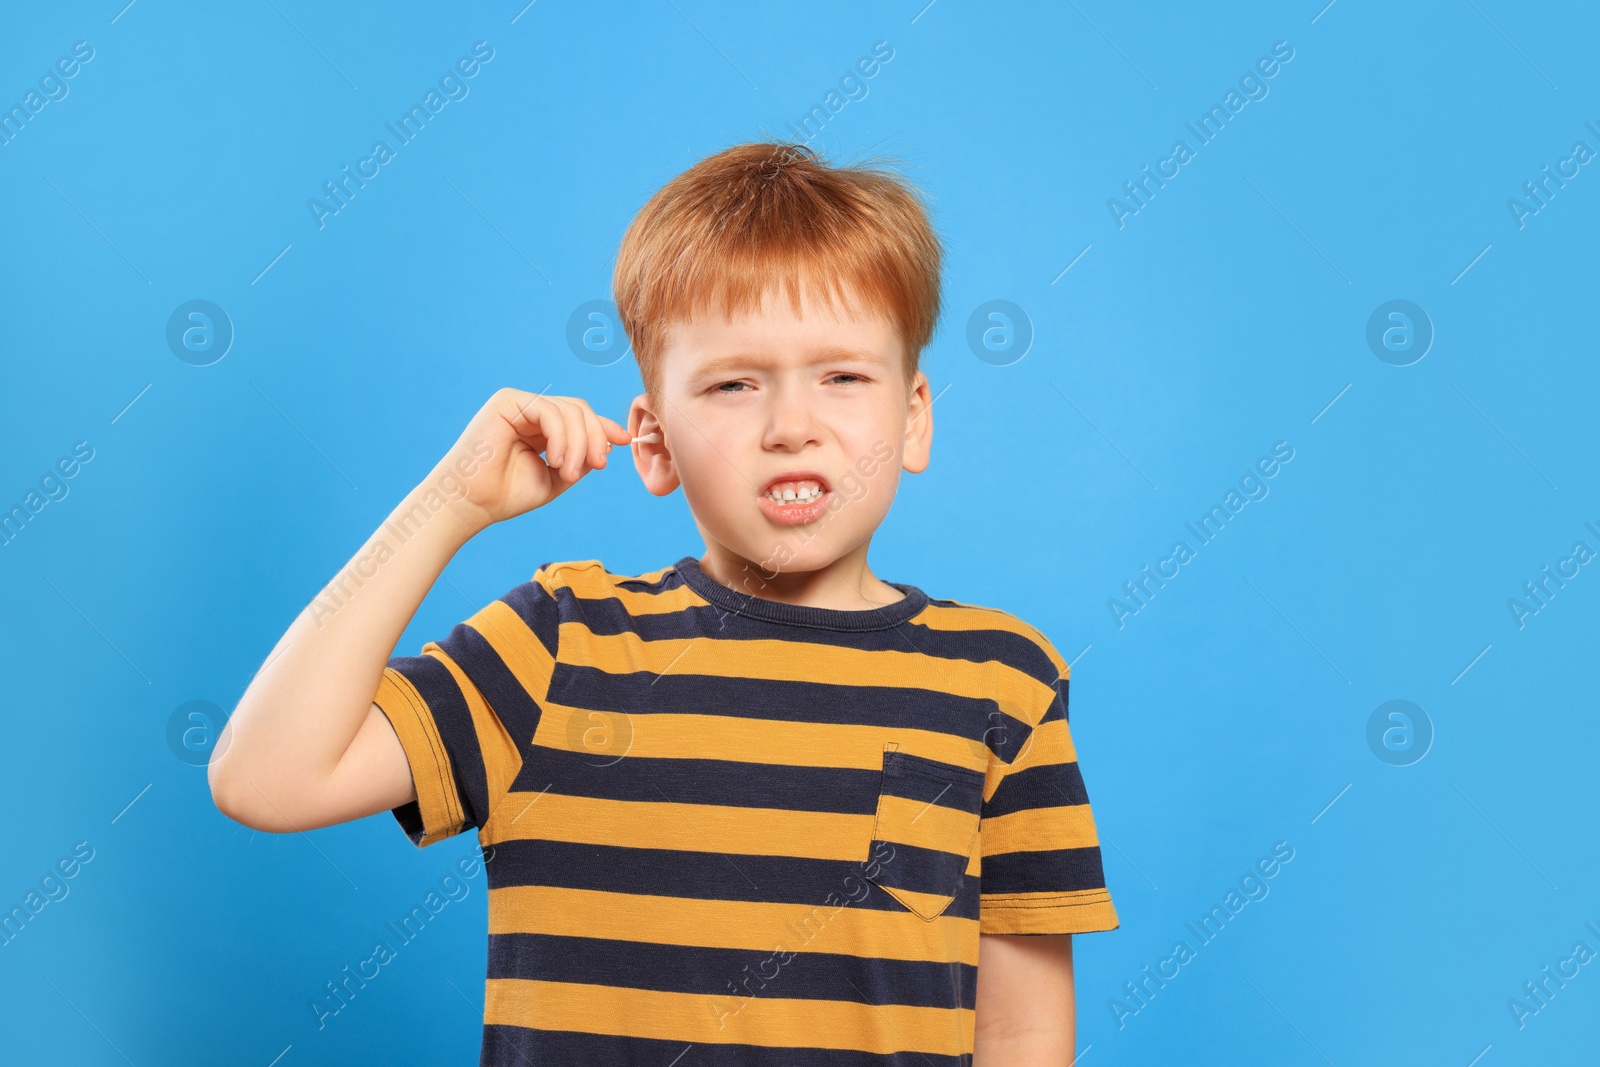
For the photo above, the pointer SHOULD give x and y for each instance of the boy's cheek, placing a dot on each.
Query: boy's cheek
(853, 487)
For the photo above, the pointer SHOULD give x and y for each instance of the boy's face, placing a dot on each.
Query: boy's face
(773, 402)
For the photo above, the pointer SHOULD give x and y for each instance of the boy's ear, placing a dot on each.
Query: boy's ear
(917, 445)
(651, 458)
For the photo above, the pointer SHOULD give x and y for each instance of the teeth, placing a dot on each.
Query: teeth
(804, 494)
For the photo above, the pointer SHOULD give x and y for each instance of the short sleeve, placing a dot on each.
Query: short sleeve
(466, 708)
(1041, 871)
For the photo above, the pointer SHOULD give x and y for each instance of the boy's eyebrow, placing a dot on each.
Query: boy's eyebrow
(743, 359)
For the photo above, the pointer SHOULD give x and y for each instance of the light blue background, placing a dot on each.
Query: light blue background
(1227, 315)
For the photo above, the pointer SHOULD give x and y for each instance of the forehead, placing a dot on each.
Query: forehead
(775, 334)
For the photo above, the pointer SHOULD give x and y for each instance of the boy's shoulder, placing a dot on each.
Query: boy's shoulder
(589, 579)
(1028, 676)
(573, 588)
(555, 574)
(1008, 638)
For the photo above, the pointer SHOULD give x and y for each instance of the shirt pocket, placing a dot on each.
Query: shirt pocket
(927, 821)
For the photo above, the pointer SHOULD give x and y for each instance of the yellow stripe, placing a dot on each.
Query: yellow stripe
(524, 654)
(683, 827)
(747, 831)
(712, 1019)
(976, 617)
(924, 825)
(573, 573)
(733, 924)
(609, 736)
(1038, 829)
(1079, 912)
(796, 661)
(596, 584)
(437, 801)
(1046, 745)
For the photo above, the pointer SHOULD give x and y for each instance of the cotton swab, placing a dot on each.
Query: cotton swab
(646, 439)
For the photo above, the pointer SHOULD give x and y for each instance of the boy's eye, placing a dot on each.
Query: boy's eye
(737, 386)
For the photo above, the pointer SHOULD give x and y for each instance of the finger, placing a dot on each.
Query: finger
(615, 432)
(596, 435)
(520, 409)
(594, 439)
(604, 429)
(575, 451)
(554, 429)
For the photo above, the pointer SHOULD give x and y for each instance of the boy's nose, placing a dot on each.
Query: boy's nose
(791, 419)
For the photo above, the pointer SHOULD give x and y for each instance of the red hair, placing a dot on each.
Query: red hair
(771, 215)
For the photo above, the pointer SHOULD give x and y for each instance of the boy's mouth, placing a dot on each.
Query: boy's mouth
(795, 497)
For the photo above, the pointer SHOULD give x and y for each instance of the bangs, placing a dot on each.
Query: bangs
(769, 218)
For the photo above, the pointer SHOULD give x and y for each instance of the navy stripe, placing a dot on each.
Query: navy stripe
(438, 688)
(683, 693)
(701, 875)
(838, 790)
(920, 778)
(607, 617)
(921, 870)
(409, 816)
(540, 611)
(512, 704)
(1049, 786)
(515, 1045)
(787, 969)
(1061, 870)
(1058, 708)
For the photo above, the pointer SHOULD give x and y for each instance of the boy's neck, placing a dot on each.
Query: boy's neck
(846, 584)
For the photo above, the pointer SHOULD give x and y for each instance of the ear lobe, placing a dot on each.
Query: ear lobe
(656, 469)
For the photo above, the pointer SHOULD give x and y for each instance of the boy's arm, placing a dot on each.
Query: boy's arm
(1042, 881)
(307, 747)
(1025, 1012)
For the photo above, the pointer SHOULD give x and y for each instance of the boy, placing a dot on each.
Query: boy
(759, 807)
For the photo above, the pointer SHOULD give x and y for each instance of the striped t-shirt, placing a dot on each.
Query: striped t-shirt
(724, 830)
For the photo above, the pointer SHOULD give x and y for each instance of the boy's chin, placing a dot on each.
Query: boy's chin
(790, 555)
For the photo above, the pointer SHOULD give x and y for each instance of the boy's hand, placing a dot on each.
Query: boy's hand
(501, 447)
